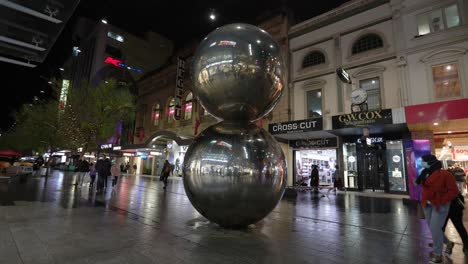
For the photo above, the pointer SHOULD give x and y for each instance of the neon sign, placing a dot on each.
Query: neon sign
(120, 64)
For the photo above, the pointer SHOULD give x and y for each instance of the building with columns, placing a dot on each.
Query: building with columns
(401, 93)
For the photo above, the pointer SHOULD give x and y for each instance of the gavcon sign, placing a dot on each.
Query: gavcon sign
(363, 119)
(296, 126)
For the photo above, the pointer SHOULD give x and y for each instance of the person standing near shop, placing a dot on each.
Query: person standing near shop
(438, 190)
(314, 178)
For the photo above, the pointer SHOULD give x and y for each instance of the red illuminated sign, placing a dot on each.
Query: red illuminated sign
(115, 62)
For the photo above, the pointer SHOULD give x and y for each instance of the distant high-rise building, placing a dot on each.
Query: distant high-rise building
(103, 51)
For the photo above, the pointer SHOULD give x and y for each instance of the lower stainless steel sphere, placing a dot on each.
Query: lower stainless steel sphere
(234, 173)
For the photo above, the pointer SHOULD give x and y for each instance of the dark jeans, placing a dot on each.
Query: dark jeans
(165, 179)
(114, 181)
(93, 178)
(456, 215)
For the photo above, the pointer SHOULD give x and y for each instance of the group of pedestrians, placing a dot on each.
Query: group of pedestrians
(442, 199)
(102, 170)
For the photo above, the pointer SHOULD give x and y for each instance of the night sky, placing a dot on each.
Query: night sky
(179, 21)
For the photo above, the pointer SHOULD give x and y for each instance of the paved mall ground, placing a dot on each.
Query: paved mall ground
(52, 221)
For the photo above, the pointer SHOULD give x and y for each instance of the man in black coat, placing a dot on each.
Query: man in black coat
(103, 167)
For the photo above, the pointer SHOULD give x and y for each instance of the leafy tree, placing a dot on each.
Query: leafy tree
(90, 116)
(92, 113)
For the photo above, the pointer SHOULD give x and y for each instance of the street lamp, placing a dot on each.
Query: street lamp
(61, 69)
(104, 21)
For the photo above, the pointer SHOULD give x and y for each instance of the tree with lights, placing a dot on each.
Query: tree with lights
(92, 113)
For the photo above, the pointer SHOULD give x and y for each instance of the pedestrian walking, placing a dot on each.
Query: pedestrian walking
(460, 177)
(134, 169)
(83, 168)
(455, 214)
(103, 168)
(115, 172)
(92, 174)
(166, 170)
(127, 168)
(438, 190)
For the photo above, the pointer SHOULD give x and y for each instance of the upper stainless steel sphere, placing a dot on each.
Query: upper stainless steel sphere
(234, 173)
(238, 72)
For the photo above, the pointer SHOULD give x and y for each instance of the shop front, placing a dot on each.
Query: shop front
(439, 128)
(372, 147)
(306, 144)
(321, 152)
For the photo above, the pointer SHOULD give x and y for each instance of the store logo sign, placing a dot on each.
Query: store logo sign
(314, 143)
(106, 146)
(363, 119)
(296, 126)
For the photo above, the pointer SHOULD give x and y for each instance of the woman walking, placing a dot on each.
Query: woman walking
(166, 170)
(116, 172)
(438, 190)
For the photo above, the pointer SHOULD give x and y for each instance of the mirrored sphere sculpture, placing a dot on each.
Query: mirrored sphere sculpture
(234, 174)
(237, 72)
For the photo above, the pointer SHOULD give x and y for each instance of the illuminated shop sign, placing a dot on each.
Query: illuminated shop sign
(117, 148)
(363, 119)
(372, 140)
(296, 126)
(106, 146)
(314, 143)
(179, 88)
(129, 154)
(118, 63)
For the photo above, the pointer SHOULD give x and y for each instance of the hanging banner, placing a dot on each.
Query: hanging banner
(179, 88)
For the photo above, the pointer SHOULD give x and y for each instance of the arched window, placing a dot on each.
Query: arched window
(313, 58)
(188, 106)
(156, 114)
(367, 42)
(170, 111)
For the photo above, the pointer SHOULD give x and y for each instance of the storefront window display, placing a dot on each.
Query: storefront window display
(374, 164)
(325, 159)
(350, 165)
(396, 166)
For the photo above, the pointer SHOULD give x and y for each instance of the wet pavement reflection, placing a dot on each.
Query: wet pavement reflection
(51, 220)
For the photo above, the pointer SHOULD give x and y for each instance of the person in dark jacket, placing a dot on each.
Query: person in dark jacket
(166, 170)
(82, 168)
(460, 177)
(455, 214)
(314, 178)
(103, 168)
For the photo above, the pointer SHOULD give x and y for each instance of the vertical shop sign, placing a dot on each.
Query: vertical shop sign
(179, 89)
